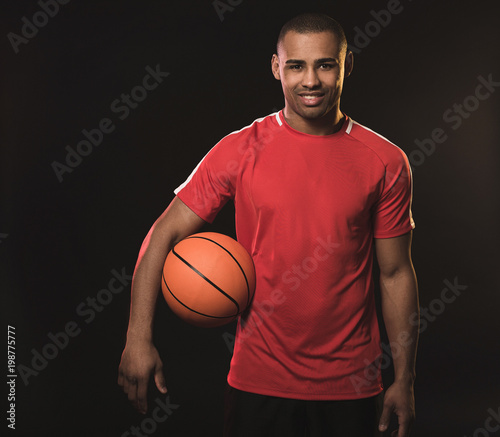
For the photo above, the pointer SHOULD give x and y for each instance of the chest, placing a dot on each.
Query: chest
(336, 182)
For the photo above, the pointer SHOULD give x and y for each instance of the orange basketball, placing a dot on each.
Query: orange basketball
(208, 279)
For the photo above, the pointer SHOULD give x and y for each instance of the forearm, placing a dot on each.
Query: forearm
(399, 302)
(146, 283)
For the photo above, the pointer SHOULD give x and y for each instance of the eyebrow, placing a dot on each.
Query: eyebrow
(316, 61)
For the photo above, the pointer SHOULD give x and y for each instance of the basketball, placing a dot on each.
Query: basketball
(208, 279)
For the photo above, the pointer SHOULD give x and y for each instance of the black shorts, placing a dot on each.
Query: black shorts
(254, 415)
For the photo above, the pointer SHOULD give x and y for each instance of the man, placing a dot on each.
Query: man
(315, 195)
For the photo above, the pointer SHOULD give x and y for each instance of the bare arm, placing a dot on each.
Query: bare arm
(398, 286)
(140, 358)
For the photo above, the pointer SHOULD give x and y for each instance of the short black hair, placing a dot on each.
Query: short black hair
(313, 22)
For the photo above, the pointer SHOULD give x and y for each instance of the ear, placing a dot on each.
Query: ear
(348, 63)
(275, 67)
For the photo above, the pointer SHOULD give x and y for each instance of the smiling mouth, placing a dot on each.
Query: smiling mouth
(311, 99)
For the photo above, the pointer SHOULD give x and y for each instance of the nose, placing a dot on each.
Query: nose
(310, 78)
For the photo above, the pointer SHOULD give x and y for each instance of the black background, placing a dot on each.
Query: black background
(60, 240)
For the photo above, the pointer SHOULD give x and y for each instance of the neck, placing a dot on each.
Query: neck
(328, 124)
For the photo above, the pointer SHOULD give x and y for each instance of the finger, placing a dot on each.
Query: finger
(132, 390)
(124, 384)
(160, 380)
(142, 396)
(404, 428)
(385, 418)
(120, 378)
(128, 387)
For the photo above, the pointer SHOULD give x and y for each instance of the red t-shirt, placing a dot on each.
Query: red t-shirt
(307, 210)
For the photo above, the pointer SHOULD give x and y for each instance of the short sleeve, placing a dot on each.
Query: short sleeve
(211, 184)
(392, 214)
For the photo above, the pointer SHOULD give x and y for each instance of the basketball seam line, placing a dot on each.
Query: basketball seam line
(191, 309)
(208, 280)
(235, 260)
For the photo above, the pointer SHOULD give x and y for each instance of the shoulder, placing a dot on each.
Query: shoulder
(259, 128)
(386, 151)
(236, 146)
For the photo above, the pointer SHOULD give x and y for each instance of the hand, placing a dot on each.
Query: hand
(399, 398)
(139, 360)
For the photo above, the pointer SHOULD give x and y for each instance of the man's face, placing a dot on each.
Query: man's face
(311, 69)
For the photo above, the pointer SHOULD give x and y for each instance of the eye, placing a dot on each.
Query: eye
(326, 66)
(295, 67)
